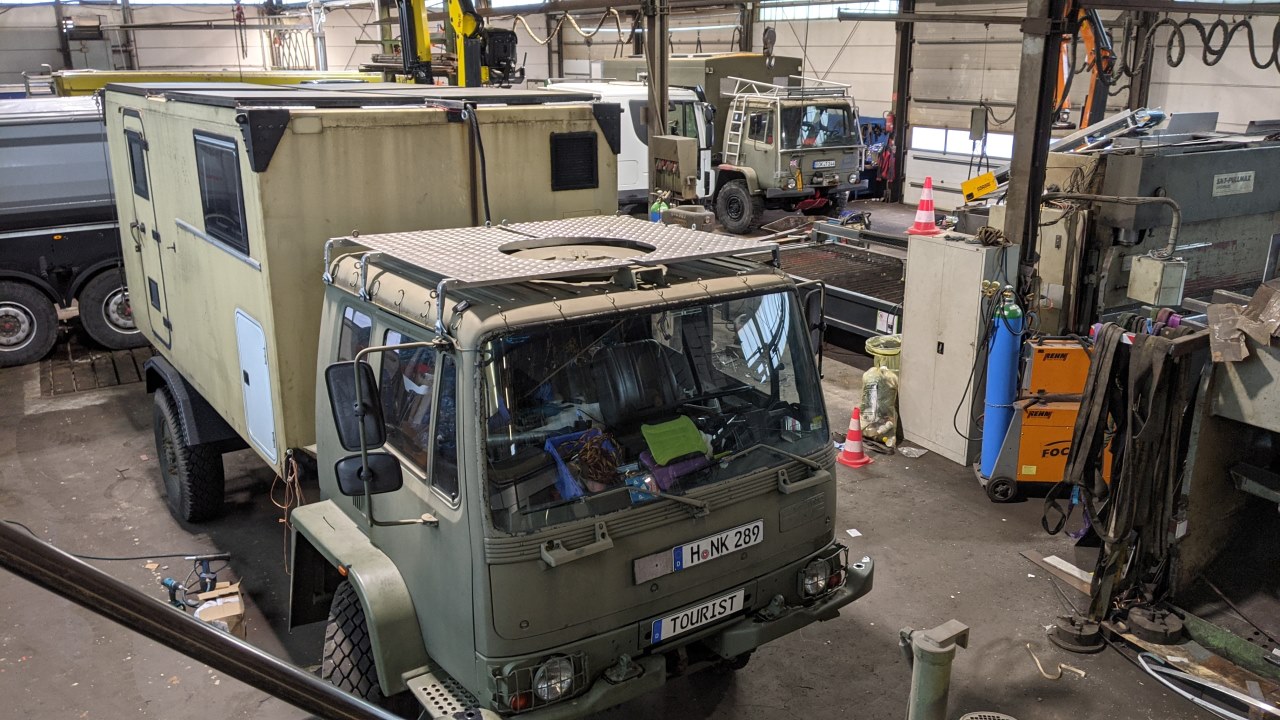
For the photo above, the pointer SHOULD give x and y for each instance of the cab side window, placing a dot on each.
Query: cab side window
(354, 334)
(411, 379)
(760, 126)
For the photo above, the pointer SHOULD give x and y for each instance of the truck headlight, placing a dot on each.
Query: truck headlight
(814, 579)
(554, 678)
(791, 183)
(853, 178)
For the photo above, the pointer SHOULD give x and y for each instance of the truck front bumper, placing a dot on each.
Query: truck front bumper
(731, 640)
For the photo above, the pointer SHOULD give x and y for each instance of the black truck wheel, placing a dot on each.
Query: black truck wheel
(193, 476)
(105, 313)
(28, 324)
(736, 209)
(347, 662)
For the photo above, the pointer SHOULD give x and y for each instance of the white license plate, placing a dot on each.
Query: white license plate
(823, 164)
(708, 612)
(709, 548)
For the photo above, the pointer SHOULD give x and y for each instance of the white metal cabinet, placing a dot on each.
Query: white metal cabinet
(942, 320)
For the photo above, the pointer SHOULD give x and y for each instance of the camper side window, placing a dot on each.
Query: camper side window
(138, 164)
(221, 197)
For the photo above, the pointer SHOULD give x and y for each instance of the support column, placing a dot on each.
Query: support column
(747, 23)
(64, 45)
(906, 35)
(1140, 83)
(656, 30)
(1042, 32)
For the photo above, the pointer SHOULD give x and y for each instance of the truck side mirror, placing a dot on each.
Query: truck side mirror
(384, 474)
(343, 379)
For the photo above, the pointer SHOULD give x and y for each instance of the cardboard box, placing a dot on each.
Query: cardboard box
(223, 607)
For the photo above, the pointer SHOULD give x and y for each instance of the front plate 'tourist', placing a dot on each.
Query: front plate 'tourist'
(665, 628)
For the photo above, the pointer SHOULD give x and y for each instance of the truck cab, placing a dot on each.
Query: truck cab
(688, 115)
(559, 461)
(796, 147)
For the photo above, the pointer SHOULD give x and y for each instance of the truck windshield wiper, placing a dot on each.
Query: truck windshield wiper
(701, 506)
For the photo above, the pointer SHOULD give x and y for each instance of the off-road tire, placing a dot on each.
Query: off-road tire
(837, 205)
(347, 662)
(105, 314)
(738, 662)
(192, 476)
(30, 322)
(737, 209)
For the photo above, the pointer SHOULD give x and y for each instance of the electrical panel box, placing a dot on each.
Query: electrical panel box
(1157, 282)
(943, 330)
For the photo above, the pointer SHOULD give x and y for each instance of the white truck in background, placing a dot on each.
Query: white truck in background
(688, 115)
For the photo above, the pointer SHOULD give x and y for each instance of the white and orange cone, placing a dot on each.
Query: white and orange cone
(924, 224)
(852, 454)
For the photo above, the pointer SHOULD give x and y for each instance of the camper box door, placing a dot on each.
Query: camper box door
(138, 223)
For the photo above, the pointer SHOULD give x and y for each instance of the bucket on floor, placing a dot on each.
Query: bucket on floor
(886, 351)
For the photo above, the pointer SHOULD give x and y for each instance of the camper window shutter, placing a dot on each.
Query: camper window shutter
(573, 161)
(221, 194)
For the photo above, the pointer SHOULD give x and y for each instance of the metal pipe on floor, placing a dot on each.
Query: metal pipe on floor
(95, 590)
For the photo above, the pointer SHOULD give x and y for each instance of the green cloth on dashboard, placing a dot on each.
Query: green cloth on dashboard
(674, 439)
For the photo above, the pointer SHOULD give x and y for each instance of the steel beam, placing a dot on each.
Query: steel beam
(904, 42)
(657, 24)
(1209, 8)
(94, 590)
(1037, 78)
(911, 17)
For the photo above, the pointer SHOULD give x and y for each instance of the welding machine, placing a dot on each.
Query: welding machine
(1038, 442)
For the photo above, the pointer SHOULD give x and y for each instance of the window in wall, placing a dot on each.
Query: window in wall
(138, 164)
(759, 126)
(354, 335)
(221, 196)
(956, 142)
(815, 12)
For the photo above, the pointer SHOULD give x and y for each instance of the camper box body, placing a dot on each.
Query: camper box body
(227, 195)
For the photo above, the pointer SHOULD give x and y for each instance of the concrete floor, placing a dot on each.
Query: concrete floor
(80, 469)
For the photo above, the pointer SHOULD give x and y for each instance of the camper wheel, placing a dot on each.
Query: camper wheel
(193, 475)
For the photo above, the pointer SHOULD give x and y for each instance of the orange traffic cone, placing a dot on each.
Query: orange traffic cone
(924, 224)
(852, 454)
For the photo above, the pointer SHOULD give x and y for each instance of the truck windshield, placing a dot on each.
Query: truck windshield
(590, 417)
(820, 126)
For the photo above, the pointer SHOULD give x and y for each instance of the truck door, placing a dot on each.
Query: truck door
(138, 223)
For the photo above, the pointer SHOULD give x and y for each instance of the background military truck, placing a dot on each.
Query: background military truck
(559, 459)
(59, 243)
(795, 147)
(715, 73)
(225, 191)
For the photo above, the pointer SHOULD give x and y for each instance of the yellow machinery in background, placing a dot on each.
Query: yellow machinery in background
(1038, 443)
(484, 55)
(87, 82)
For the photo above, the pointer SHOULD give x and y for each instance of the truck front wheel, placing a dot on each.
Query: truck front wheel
(348, 653)
(194, 482)
(28, 324)
(737, 209)
(105, 313)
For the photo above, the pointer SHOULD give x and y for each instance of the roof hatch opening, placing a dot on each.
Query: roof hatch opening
(580, 249)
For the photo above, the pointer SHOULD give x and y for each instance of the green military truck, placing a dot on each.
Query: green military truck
(560, 461)
(794, 147)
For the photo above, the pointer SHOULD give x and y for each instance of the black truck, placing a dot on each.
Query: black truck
(59, 240)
